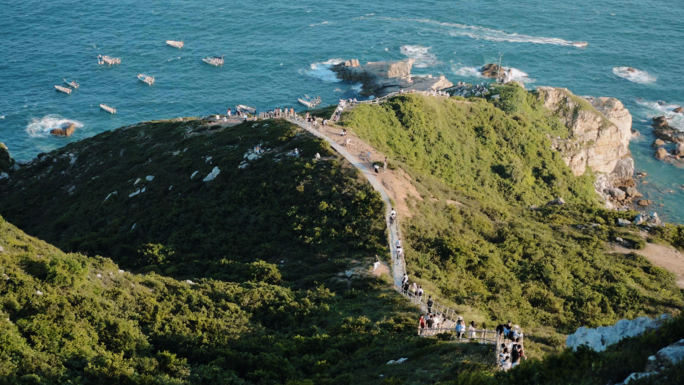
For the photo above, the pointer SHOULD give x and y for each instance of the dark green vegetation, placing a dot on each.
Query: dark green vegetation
(278, 208)
(546, 266)
(68, 318)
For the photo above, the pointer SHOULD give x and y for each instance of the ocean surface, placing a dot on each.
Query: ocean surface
(276, 52)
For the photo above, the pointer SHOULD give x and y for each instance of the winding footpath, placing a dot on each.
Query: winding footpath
(398, 264)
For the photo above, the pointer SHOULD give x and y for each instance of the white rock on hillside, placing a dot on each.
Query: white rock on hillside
(600, 338)
(193, 174)
(149, 178)
(672, 354)
(212, 175)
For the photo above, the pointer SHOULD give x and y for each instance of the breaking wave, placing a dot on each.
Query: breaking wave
(40, 128)
(468, 72)
(323, 72)
(634, 75)
(516, 74)
(676, 120)
(423, 58)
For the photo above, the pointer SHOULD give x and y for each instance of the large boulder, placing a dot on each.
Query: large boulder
(658, 143)
(678, 110)
(661, 153)
(6, 161)
(491, 71)
(672, 354)
(679, 150)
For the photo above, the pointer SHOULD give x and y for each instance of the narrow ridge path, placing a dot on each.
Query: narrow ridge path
(398, 265)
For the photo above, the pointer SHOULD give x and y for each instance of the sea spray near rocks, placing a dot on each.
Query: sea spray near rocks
(634, 75)
(675, 120)
(321, 71)
(421, 54)
(40, 128)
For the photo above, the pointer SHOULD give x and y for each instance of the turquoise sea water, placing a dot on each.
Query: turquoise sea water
(277, 51)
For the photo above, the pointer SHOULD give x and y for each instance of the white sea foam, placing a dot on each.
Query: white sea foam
(676, 120)
(516, 74)
(421, 54)
(468, 72)
(317, 24)
(483, 33)
(357, 87)
(634, 75)
(323, 72)
(40, 128)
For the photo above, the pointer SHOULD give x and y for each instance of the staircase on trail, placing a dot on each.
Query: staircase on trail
(398, 264)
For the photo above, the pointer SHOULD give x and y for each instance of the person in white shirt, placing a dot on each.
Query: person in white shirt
(399, 243)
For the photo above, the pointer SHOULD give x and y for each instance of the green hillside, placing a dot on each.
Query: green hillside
(497, 253)
(278, 208)
(68, 318)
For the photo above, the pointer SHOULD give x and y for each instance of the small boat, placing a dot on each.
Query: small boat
(107, 60)
(63, 89)
(146, 79)
(579, 44)
(175, 43)
(71, 84)
(105, 107)
(215, 61)
(309, 102)
(247, 109)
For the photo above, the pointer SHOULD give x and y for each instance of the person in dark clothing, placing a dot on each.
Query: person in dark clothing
(430, 302)
(406, 288)
(430, 321)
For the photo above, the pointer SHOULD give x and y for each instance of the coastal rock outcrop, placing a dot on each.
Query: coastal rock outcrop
(65, 130)
(492, 70)
(663, 130)
(6, 161)
(382, 78)
(600, 338)
(600, 130)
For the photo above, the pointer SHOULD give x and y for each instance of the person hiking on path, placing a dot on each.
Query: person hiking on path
(376, 264)
(460, 327)
(404, 279)
(430, 302)
(414, 289)
(399, 253)
(472, 330)
(430, 322)
(393, 215)
(420, 293)
(421, 324)
(399, 243)
(376, 168)
(384, 165)
(406, 288)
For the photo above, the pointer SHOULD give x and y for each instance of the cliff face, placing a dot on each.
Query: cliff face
(382, 78)
(600, 130)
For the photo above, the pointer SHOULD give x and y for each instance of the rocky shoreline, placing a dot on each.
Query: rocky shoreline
(383, 78)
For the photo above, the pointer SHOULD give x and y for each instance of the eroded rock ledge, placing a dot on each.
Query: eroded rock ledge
(600, 130)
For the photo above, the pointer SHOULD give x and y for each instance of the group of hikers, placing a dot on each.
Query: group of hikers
(278, 113)
(512, 351)
(509, 336)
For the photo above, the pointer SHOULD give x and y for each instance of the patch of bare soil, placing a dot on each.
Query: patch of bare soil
(397, 183)
(666, 257)
(382, 269)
